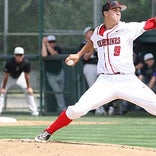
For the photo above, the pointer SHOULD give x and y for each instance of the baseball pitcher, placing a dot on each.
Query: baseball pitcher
(113, 40)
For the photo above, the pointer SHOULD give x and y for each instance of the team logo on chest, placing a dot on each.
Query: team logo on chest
(108, 41)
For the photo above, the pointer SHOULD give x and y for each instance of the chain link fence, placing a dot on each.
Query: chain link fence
(21, 22)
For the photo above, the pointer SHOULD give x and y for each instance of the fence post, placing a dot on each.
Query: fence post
(153, 8)
(41, 9)
(5, 42)
(97, 12)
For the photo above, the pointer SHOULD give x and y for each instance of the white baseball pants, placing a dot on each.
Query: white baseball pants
(111, 87)
(21, 82)
(90, 73)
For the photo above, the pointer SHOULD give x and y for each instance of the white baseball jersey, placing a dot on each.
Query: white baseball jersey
(118, 81)
(115, 47)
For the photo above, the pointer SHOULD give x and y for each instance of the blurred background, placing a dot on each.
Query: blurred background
(24, 23)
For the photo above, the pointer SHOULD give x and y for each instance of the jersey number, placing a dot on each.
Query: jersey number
(117, 50)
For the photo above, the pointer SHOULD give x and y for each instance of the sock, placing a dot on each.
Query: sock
(59, 123)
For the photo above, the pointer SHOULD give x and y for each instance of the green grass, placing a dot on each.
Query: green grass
(133, 131)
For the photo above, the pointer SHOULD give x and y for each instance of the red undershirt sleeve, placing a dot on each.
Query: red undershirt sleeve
(150, 24)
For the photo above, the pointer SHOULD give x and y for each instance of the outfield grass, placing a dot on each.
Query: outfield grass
(134, 131)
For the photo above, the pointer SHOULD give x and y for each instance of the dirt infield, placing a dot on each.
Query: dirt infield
(33, 123)
(31, 148)
(23, 148)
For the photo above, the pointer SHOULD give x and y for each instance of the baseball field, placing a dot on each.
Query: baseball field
(88, 136)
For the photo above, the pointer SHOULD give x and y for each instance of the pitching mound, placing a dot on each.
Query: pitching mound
(31, 148)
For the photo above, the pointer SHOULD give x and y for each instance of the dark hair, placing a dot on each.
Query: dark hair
(105, 7)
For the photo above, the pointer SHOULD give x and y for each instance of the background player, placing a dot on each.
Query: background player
(117, 80)
(54, 70)
(17, 72)
(89, 60)
(148, 71)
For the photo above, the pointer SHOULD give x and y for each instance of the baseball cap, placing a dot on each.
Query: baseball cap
(18, 50)
(87, 29)
(51, 38)
(113, 4)
(148, 56)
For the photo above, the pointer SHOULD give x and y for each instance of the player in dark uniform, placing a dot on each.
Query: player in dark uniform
(54, 69)
(148, 72)
(17, 72)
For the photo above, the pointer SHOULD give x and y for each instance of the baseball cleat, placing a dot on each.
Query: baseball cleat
(43, 137)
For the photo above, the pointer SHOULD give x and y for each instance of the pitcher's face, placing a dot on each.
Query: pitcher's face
(114, 15)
